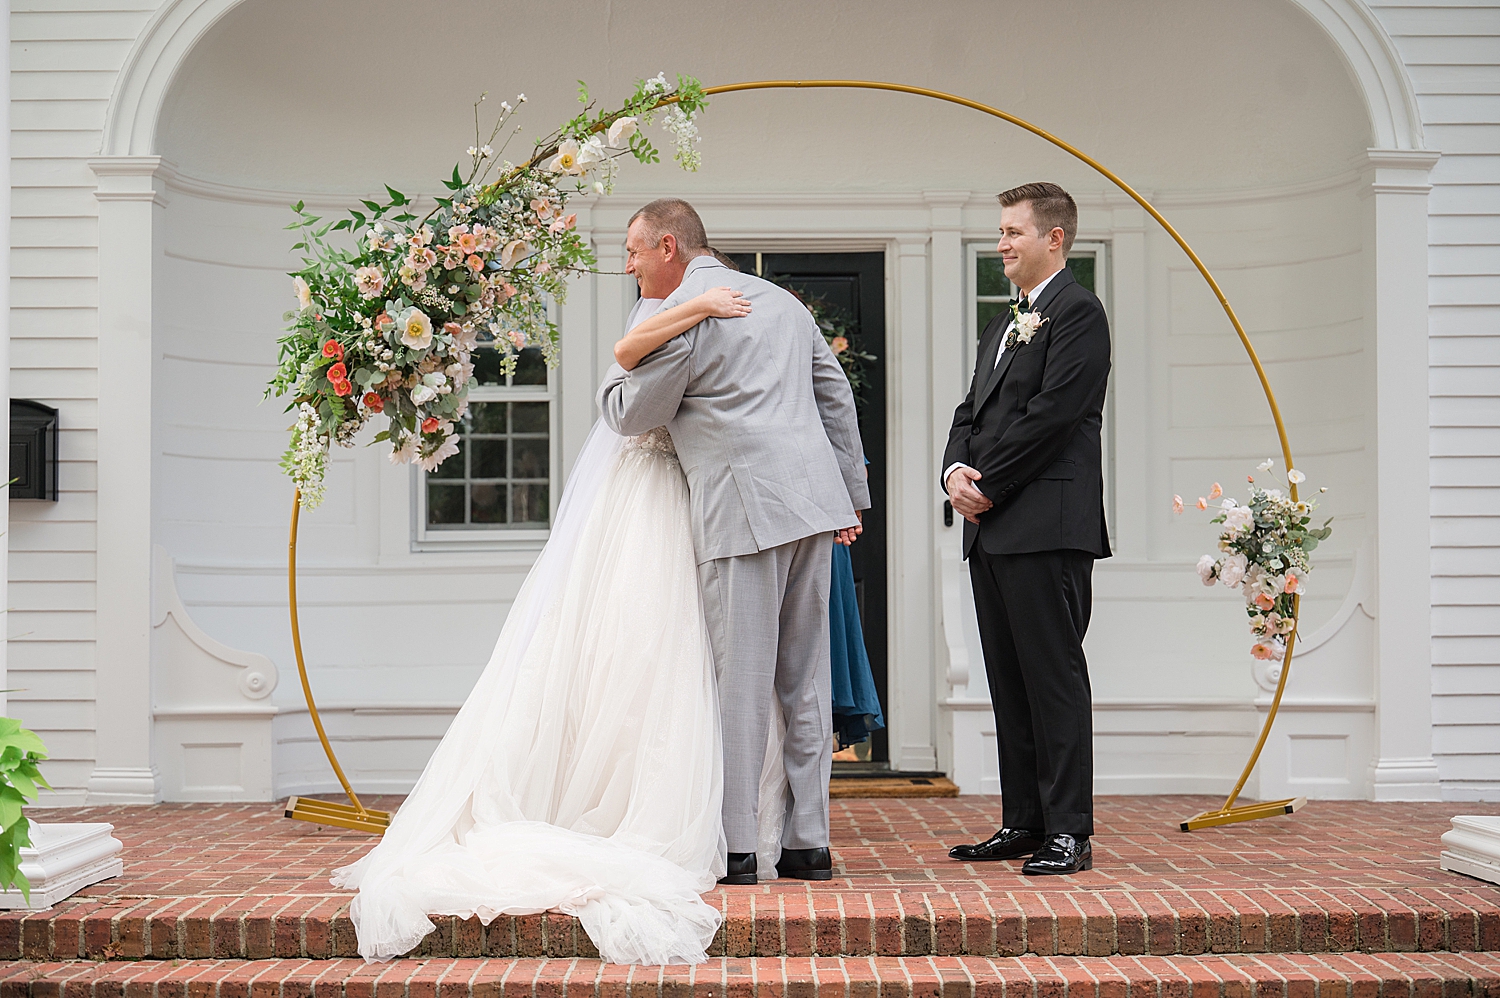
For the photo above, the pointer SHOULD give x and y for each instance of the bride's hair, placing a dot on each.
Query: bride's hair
(676, 216)
(722, 258)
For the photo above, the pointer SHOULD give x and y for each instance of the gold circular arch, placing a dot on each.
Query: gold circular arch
(1229, 813)
(361, 818)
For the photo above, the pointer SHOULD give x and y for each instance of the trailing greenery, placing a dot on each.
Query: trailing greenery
(20, 751)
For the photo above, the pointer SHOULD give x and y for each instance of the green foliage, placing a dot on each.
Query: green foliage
(20, 751)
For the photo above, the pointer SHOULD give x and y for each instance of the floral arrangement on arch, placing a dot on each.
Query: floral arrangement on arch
(387, 320)
(1266, 547)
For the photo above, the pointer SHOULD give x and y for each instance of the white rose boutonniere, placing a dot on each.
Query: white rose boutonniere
(1023, 326)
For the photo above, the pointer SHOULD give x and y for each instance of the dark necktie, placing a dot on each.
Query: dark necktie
(1024, 304)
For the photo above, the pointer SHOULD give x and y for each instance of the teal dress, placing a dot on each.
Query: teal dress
(856, 707)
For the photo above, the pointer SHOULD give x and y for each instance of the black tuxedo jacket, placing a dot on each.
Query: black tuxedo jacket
(1031, 427)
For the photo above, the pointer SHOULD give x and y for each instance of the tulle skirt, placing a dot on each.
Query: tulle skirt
(584, 773)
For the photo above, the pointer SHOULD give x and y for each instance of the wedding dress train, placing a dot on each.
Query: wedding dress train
(584, 773)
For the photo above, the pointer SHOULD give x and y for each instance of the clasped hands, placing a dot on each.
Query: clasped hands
(964, 496)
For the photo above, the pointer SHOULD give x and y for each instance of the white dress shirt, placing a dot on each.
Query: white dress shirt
(1030, 296)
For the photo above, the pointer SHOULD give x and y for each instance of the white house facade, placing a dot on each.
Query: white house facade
(1336, 164)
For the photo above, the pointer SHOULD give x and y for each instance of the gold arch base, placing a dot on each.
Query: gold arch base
(355, 815)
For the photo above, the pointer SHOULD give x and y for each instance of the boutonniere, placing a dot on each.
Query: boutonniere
(1024, 325)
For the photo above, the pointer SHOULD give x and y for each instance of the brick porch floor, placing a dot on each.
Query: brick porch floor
(239, 882)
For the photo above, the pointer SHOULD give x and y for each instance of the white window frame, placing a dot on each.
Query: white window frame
(1099, 250)
(501, 536)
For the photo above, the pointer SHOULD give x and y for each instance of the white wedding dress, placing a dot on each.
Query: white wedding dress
(584, 772)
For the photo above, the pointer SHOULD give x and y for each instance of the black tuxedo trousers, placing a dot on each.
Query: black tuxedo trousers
(1033, 612)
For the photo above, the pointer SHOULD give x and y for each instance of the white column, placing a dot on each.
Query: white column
(913, 708)
(130, 246)
(575, 372)
(1404, 769)
(946, 347)
(1128, 384)
(5, 331)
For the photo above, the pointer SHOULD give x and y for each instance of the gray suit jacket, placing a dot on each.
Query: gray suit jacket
(761, 415)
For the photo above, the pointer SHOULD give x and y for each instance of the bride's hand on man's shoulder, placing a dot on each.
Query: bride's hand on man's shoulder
(725, 303)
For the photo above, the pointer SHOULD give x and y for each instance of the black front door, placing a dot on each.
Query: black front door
(854, 285)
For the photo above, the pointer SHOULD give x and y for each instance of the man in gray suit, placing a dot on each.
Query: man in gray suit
(764, 425)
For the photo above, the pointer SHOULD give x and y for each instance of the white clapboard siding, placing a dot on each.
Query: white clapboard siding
(65, 56)
(1452, 53)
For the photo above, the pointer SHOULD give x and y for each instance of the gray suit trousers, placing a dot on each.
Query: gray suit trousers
(768, 622)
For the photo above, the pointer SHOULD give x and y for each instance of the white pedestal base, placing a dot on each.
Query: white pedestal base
(1473, 847)
(63, 860)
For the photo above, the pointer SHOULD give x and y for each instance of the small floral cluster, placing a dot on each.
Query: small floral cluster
(389, 325)
(838, 333)
(1266, 545)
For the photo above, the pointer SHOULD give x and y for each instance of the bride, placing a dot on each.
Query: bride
(584, 773)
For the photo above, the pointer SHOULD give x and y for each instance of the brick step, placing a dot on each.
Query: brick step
(1360, 975)
(806, 923)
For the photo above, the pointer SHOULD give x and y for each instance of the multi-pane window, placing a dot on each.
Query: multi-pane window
(993, 290)
(501, 477)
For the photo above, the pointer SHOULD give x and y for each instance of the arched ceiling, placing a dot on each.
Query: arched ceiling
(1179, 95)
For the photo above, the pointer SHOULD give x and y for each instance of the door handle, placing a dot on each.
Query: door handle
(947, 513)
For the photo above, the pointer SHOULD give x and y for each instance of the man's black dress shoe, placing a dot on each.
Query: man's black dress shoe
(1007, 843)
(1061, 854)
(741, 869)
(805, 864)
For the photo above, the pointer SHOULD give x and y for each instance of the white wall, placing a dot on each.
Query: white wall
(1263, 182)
(1452, 54)
(64, 60)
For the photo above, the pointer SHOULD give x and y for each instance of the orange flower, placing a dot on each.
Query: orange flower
(430, 424)
(474, 263)
(1216, 491)
(338, 372)
(1264, 602)
(838, 344)
(384, 322)
(342, 387)
(333, 349)
(453, 329)
(1202, 503)
(374, 402)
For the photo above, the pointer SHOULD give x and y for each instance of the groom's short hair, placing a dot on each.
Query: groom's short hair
(676, 216)
(1051, 206)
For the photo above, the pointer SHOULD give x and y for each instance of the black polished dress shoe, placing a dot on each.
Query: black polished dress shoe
(1007, 843)
(741, 871)
(1061, 854)
(805, 864)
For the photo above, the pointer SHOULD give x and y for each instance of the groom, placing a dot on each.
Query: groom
(1023, 468)
(764, 425)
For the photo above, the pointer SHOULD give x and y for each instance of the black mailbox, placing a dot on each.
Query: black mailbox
(33, 450)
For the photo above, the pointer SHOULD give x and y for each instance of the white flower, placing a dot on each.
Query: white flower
(1238, 518)
(566, 160)
(1232, 572)
(516, 249)
(1265, 465)
(304, 293)
(423, 393)
(472, 151)
(621, 131)
(486, 152)
(415, 328)
(406, 452)
(445, 450)
(591, 154)
(1295, 477)
(1027, 323)
(598, 187)
(1206, 566)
